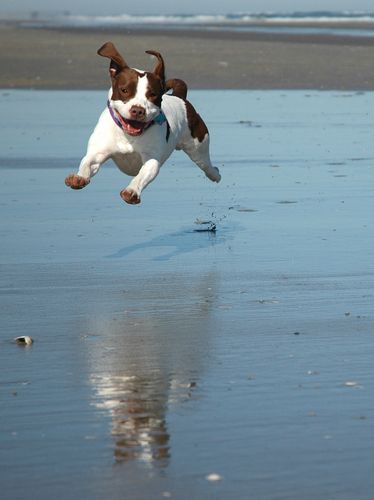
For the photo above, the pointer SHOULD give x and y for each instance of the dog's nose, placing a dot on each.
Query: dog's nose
(137, 113)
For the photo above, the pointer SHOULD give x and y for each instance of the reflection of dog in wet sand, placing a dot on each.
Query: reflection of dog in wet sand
(146, 363)
(142, 125)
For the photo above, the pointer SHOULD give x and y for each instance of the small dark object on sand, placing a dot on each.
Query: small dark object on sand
(24, 340)
(209, 226)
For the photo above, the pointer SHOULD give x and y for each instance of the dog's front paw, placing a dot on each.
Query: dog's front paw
(76, 181)
(130, 196)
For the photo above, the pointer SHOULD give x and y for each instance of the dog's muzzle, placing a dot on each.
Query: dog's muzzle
(135, 127)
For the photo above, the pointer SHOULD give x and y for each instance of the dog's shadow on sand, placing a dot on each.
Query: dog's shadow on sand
(180, 242)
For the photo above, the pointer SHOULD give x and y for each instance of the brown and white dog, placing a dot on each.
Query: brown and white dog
(142, 125)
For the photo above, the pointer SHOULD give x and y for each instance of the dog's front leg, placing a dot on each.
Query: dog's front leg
(146, 174)
(88, 167)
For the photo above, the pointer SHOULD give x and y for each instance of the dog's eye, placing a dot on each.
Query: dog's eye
(152, 94)
(124, 90)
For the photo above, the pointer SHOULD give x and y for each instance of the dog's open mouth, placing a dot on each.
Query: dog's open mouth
(133, 127)
(130, 127)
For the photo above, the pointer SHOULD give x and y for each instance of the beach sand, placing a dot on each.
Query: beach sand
(170, 363)
(66, 58)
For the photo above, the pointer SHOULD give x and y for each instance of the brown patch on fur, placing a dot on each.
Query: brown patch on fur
(76, 181)
(195, 123)
(179, 88)
(124, 85)
(156, 88)
(129, 196)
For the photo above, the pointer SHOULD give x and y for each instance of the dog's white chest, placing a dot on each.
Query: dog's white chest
(129, 162)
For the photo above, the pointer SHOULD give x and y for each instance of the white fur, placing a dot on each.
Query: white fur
(142, 156)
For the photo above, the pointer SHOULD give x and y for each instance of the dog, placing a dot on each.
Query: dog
(142, 125)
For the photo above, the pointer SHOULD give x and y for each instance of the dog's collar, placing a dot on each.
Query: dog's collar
(118, 120)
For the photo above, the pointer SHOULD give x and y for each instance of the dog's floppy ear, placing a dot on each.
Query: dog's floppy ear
(117, 62)
(160, 67)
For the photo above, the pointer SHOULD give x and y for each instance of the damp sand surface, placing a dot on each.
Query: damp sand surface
(173, 363)
(65, 58)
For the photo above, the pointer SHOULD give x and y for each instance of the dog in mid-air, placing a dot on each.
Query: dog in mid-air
(142, 125)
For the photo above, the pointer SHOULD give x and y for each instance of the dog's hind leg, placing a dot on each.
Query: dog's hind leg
(199, 154)
(196, 144)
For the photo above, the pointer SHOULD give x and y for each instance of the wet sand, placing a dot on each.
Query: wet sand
(162, 355)
(66, 58)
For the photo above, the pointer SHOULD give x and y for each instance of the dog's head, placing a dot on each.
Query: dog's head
(136, 95)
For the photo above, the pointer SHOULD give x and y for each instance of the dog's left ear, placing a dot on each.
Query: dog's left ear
(117, 62)
(160, 67)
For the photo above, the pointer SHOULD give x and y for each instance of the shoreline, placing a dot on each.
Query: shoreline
(65, 58)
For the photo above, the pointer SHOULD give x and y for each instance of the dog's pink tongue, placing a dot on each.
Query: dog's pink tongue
(134, 128)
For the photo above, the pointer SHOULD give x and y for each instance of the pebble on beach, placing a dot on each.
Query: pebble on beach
(213, 477)
(24, 340)
(351, 383)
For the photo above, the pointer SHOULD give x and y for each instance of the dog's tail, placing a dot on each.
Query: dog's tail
(178, 87)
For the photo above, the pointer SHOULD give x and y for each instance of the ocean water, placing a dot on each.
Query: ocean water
(324, 22)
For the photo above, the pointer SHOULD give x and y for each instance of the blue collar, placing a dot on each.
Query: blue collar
(160, 118)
